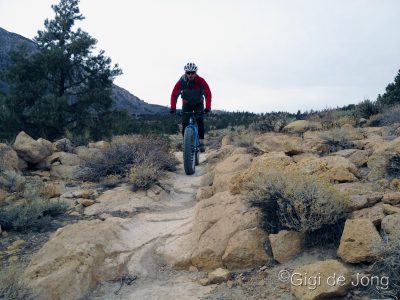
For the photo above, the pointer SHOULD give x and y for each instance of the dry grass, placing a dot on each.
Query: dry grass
(11, 286)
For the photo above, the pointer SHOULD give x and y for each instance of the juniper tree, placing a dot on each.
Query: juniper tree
(392, 94)
(64, 85)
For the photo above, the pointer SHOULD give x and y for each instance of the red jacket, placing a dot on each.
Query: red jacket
(199, 83)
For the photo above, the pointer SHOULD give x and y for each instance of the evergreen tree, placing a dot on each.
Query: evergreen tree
(392, 94)
(64, 85)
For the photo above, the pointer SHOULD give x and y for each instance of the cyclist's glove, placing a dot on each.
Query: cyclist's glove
(206, 111)
(172, 111)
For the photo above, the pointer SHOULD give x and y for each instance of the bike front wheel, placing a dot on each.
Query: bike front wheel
(189, 151)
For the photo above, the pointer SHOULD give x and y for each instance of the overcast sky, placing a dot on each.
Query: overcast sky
(256, 55)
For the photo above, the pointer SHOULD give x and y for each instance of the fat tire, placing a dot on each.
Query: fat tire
(197, 155)
(188, 153)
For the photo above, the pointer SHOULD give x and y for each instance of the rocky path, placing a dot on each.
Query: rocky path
(148, 231)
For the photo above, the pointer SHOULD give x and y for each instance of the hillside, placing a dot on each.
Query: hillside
(123, 99)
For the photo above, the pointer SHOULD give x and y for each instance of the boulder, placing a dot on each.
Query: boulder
(79, 256)
(63, 172)
(30, 150)
(269, 142)
(358, 157)
(286, 244)
(375, 214)
(332, 280)
(357, 202)
(217, 220)
(8, 159)
(391, 226)
(360, 241)
(391, 198)
(64, 145)
(390, 209)
(334, 168)
(246, 249)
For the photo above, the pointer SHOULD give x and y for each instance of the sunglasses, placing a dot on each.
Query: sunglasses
(190, 73)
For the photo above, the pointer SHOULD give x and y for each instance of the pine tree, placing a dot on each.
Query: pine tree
(64, 85)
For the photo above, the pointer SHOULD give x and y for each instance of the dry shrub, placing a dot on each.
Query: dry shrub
(11, 181)
(50, 190)
(34, 214)
(337, 139)
(143, 176)
(333, 118)
(298, 202)
(387, 266)
(11, 286)
(126, 152)
(111, 181)
(393, 166)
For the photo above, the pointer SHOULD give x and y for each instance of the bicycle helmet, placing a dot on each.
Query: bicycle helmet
(190, 67)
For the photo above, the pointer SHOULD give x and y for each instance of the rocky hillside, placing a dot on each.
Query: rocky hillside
(123, 99)
(263, 213)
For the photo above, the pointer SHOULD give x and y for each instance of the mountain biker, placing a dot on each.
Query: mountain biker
(192, 88)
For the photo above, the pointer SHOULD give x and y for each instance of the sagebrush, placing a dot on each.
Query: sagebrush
(32, 215)
(298, 202)
(127, 152)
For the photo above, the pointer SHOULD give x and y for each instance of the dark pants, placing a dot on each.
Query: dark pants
(199, 118)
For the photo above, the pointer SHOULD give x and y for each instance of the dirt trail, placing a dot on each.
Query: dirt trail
(148, 231)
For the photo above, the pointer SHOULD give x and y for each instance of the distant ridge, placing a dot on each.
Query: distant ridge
(123, 99)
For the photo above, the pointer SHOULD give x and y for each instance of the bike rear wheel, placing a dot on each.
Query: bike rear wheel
(189, 152)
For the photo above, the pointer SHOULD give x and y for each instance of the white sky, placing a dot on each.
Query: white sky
(256, 55)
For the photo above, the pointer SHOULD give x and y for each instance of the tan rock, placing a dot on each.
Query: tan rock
(48, 145)
(87, 202)
(217, 219)
(87, 193)
(358, 157)
(64, 145)
(246, 249)
(335, 168)
(286, 244)
(390, 209)
(69, 159)
(377, 165)
(219, 275)
(375, 214)
(391, 226)
(30, 150)
(332, 280)
(78, 256)
(99, 145)
(269, 142)
(204, 193)
(360, 241)
(15, 246)
(391, 198)
(88, 153)
(233, 163)
(63, 172)
(8, 158)
(22, 165)
(357, 202)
